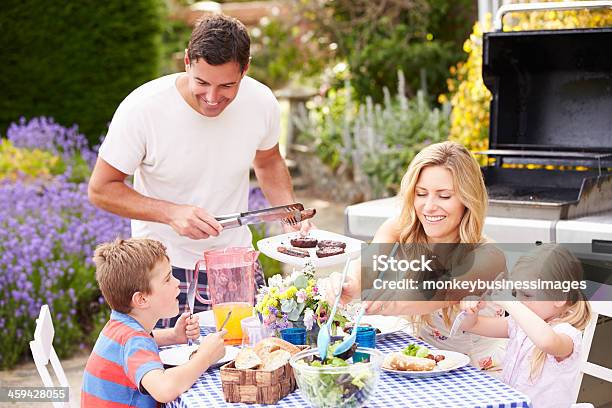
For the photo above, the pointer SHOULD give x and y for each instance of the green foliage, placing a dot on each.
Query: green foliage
(375, 141)
(421, 37)
(282, 51)
(270, 266)
(16, 162)
(175, 39)
(75, 61)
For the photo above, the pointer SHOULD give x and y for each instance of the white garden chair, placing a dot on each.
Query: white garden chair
(43, 353)
(603, 308)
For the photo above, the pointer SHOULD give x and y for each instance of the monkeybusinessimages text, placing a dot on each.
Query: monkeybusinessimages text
(384, 263)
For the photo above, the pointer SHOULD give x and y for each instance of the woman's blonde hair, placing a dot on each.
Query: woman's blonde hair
(467, 182)
(552, 262)
(469, 186)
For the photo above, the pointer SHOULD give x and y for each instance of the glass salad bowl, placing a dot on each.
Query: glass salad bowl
(339, 383)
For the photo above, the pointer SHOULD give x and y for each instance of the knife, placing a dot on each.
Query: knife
(191, 294)
(290, 214)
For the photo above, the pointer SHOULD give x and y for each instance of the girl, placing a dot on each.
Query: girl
(545, 328)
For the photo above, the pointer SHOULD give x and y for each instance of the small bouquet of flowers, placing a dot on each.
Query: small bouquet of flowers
(296, 301)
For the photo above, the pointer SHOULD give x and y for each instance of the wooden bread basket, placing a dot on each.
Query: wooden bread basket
(257, 386)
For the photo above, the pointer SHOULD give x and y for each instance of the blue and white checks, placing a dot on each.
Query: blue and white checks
(464, 387)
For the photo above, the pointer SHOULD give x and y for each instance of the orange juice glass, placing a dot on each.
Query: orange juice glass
(240, 310)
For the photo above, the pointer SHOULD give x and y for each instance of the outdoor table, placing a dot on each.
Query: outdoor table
(463, 387)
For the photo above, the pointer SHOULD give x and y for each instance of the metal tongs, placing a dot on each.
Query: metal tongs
(289, 214)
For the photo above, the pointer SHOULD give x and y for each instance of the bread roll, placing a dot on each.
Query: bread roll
(247, 359)
(270, 344)
(276, 359)
(401, 362)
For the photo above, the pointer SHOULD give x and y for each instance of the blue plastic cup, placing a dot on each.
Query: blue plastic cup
(294, 335)
(366, 337)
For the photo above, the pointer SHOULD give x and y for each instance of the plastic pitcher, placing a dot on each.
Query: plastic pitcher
(231, 286)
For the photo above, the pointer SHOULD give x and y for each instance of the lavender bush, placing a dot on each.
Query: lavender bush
(44, 134)
(48, 230)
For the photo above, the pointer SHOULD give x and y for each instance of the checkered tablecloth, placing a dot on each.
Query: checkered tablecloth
(464, 387)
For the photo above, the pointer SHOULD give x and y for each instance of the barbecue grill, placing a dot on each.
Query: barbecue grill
(551, 108)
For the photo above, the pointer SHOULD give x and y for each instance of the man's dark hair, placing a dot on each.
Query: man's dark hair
(219, 39)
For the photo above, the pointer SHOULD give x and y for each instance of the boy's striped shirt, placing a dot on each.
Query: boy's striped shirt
(122, 355)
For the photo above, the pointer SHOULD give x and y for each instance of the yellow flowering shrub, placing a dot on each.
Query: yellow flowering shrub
(16, 162)
(467, 93)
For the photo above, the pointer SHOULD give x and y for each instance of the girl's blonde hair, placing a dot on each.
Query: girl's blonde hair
(551, 262)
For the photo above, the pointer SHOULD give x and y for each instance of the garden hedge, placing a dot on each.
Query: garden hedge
(75, 61)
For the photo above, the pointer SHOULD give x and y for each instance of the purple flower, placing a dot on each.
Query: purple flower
(47, 236)
(257, 200)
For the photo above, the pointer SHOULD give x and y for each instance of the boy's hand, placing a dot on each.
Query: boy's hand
(212, 346)
(187, 328)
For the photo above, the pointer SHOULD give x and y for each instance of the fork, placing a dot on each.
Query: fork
(296, 216)
(226, 320)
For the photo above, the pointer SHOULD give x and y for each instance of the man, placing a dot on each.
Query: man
(189, 140)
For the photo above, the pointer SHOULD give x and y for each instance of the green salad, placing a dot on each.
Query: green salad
(415, 350)
(346, 389)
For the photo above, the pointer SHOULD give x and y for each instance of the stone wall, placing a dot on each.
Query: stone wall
(321, 181)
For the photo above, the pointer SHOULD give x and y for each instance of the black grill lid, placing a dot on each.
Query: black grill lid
(552, 91)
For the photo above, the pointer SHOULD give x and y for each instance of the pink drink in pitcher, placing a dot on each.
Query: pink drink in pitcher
(231, 285)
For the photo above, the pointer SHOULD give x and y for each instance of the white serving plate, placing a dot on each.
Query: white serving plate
(175, 356)
(461, 360)
(268, 246)
(386, 324)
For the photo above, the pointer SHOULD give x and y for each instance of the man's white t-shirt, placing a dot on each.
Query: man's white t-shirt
(178, 155)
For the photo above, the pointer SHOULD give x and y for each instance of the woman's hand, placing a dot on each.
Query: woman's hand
(350, 289)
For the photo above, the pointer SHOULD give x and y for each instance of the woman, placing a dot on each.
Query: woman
(444, 201)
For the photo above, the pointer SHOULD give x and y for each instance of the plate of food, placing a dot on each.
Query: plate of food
(383, 325)
(175, 356)
(419, 361)
(321, 248)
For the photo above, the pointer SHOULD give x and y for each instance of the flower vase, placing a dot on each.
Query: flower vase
(311, 335)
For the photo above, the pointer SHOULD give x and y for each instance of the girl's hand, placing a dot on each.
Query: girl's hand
(471, 305)
(502, 298)
(186, 328)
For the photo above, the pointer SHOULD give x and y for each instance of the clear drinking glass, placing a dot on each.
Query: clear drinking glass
(253, 331)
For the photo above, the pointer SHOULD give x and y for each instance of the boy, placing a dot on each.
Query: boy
(124, 368)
